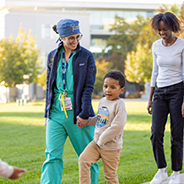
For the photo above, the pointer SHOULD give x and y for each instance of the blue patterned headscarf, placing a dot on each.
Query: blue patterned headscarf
(66, 27)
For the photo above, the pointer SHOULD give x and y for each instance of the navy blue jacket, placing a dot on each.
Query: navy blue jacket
(84, 72)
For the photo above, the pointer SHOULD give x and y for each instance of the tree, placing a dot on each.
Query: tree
(18, 59)
(102, 68)
(116, 62)
(125, 38)
(42, 79)
(138, 65)
(147, 36)
(174, 8)
(181, 17)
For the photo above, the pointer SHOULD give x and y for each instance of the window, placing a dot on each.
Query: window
(103, 19)
(47, 31)
(149, 14)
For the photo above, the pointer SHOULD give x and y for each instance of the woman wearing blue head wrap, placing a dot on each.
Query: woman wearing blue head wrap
(71, 75)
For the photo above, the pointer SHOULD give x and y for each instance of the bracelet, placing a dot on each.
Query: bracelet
(150, 101)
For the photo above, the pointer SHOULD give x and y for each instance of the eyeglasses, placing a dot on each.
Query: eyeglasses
(72, 38)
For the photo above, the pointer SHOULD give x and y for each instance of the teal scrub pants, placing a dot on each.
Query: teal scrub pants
(58, 129)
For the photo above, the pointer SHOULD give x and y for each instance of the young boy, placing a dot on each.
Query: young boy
(110, 122)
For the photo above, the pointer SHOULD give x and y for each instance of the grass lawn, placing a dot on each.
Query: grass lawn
(22, 143)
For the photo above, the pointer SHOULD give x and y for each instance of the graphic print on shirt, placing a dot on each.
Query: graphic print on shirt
(103, 117)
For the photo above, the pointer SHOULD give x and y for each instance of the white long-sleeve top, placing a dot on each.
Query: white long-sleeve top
(110, 123)
(5, 170)
(168, 63)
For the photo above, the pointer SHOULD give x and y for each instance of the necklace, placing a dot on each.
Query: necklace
(169, 44)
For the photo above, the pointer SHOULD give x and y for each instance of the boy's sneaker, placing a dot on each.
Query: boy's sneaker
(160, 177)
(174, 178)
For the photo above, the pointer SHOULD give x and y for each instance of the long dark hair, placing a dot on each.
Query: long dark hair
(55, 29)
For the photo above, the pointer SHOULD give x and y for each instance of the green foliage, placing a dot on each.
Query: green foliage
(138, 65)
(18, 59)
(174, 8)
(125, 38)
(116, 62)
(42, 79)
(147, 36)
(126, 35)
(102, 68)
(181, 17)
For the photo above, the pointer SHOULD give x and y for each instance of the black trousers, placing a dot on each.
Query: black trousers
(168, 100)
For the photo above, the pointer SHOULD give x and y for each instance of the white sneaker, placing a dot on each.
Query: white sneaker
(160, 177)
(174, 178)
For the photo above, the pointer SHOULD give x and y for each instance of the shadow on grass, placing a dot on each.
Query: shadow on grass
(135, 118)
(37, 104)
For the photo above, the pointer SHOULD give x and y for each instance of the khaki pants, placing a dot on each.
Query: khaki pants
(91, 154)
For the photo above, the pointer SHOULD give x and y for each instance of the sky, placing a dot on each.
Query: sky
(157, 1)
(140, 1)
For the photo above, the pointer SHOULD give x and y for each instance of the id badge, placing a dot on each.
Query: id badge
(68, 103)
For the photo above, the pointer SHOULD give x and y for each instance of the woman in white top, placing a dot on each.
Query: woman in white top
(166, 95)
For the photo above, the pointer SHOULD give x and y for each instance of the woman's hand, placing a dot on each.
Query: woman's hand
(150, 103)
(45, 123)
(182, 109)
(81, 122)
(149, 107)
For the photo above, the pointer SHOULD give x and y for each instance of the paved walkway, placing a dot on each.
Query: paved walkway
(181, 177)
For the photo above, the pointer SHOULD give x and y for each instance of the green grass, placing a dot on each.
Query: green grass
(22, 143)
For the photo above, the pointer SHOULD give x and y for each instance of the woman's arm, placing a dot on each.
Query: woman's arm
(182, 59)
(149, 107)
(88, 88)
(153, 81)
(49, 64)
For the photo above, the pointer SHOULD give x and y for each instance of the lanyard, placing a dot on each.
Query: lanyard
(62, 96)
(64, 70)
